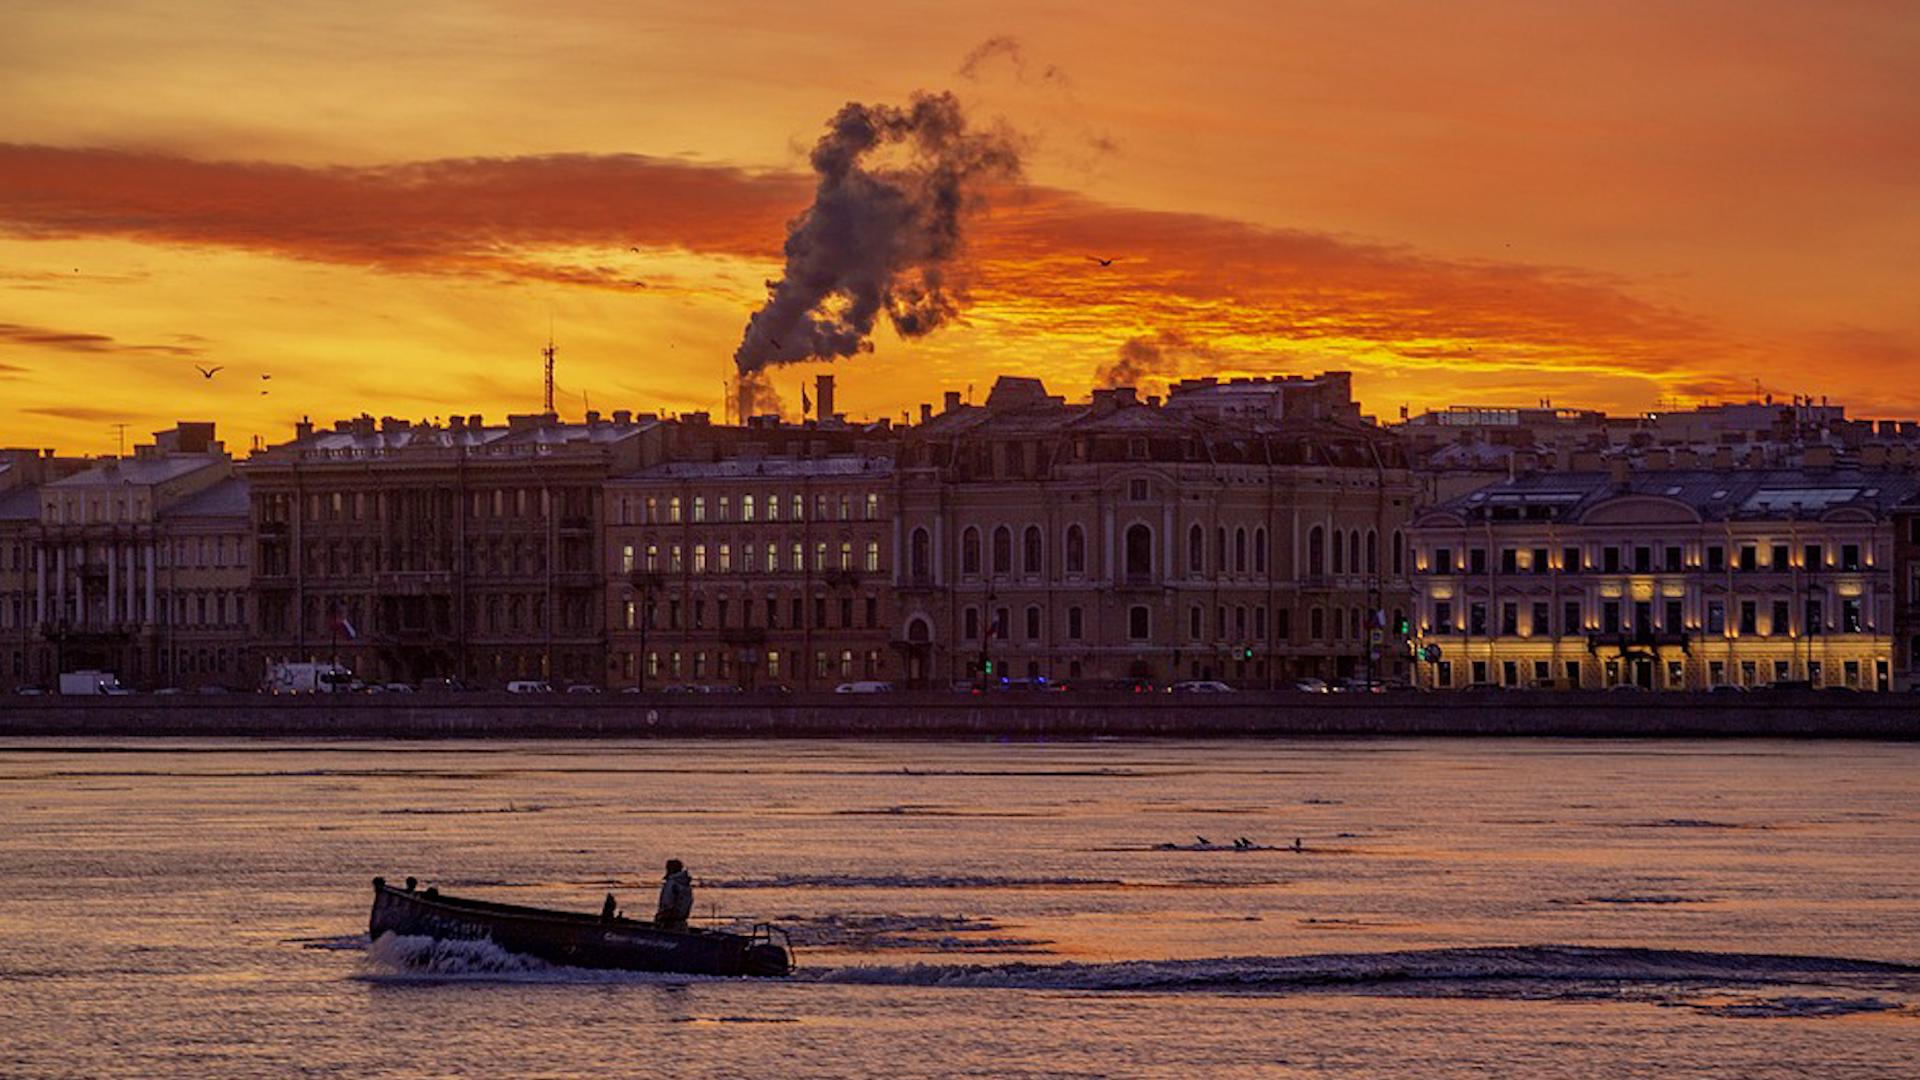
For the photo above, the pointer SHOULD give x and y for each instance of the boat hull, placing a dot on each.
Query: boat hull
(565, 938)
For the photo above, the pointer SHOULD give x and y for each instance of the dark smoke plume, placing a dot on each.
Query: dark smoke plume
(755, 395)
(883, 233)
(1160, 357)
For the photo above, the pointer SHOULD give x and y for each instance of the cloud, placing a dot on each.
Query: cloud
(72, 341)
(1244, 289)
(84, 413)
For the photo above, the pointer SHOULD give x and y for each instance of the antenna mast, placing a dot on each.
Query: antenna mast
(548, 354)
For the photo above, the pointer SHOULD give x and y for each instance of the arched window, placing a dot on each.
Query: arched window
(1316, 552)
(1139, 552)
(919, 631)
(1003, 550)
(1353, 551)
(1399, 554)
(1260, 551)
(1196, 550)
(919, 558)
(1032, 556)
(970, 552)
(1239, 551)
(1373, 552)
(1076, 550)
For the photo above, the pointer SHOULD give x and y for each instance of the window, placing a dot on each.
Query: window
(1570, 560)
(1814, 558)
(699, 558)
(1442, 617)
(1716, 617)
(673, 509)
(1850, 619)
(1674, 562)
(1716, 558)
(1849, 556)
(1002, 550)
(1139, 621)
(1239, 551)
(1194, 622)
(1570, 622)
(1540, 565)
(1260, 551)
(1076, 550)
(1509, 619)
(746, 508)
(1610, 559)
(1031, 553)
(1075, 627)
(1477, 619)
(846, 508)
(1139, 546)
(873, 556)
(1033, 624)
(970, 624)
(1542, 618)
(1137, 489)
(1749, 557)
(1477, 560)
(699, 508)
(726, 508)
(1317, 553)
(1816, 622)
(1399, 553)
(1443, 560)
(1509, 560)
(873, 506)
(920, 557)
(1674, 621)
(970, 551)
(1610, 616)
(846, 554)
(1196, 550)
(773, 508)
(1749, 617)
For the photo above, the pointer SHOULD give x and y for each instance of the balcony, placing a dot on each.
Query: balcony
(413, 582)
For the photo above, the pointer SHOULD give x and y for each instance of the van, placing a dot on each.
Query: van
(865, 686)
(529, 686)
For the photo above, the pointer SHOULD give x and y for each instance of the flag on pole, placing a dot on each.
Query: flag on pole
(341, 626)
(806, 403)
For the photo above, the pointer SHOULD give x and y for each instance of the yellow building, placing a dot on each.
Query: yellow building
(1661, 579)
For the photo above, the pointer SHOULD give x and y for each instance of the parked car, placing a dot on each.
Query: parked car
(166, 691)
(398, 688)
(1357, 686)
(30, 691)
(1312, 686)
(1790, 684)
(211, 690)
(529, 686)
(1726, 688)
(583, 688)
(1626, 688)
(864, 686)
(1200, 686)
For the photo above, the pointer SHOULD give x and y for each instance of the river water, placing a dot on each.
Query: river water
(1455, 908)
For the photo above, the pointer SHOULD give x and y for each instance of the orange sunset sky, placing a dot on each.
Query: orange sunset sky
(382, 206)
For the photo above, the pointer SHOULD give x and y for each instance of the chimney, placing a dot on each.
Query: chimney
(926, 412)
(474, 421)
(593, 417)
(303, 429)
(1617, 473)
(952, 401)
(456, 422)
(823, 396)
(623, 417)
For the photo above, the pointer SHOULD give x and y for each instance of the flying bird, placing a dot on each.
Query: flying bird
(266, 376)
(633, 249)
(639, 284)
(1101, 261)
(208, 372)
(1204, 842)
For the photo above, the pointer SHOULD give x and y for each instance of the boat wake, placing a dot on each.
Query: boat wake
(1723, 984)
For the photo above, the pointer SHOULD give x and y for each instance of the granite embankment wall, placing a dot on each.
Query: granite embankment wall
(913, 715)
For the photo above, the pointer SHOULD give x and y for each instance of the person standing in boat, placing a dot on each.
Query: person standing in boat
(676, 898)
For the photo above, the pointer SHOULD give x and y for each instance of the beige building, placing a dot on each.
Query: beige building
(1663, 579)
(768, 565)
(136, 565)
(1249, 531)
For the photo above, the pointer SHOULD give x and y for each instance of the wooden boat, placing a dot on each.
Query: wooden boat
(588, 941)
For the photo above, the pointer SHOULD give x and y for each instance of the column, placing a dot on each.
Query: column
(40, 583)
(153, 615)
(60, 582)
(80, 589)
(113, 581)
(131, 612)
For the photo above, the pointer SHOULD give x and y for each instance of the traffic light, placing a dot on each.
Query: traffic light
(989, 667)
(1403, 626)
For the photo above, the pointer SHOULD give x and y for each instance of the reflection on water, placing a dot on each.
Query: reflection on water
(1536, 909)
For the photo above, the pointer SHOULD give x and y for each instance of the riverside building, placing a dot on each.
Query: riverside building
(765, 562)
(1249, 531)
(136, 565)
(411, 551)
(1678, 579)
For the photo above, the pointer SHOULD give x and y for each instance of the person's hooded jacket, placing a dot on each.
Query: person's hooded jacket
(676, 898)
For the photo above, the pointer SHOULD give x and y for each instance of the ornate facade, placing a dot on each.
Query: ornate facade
(1663, 579)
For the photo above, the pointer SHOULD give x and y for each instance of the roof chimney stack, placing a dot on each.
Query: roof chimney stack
(823, 397)
(952, 400)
